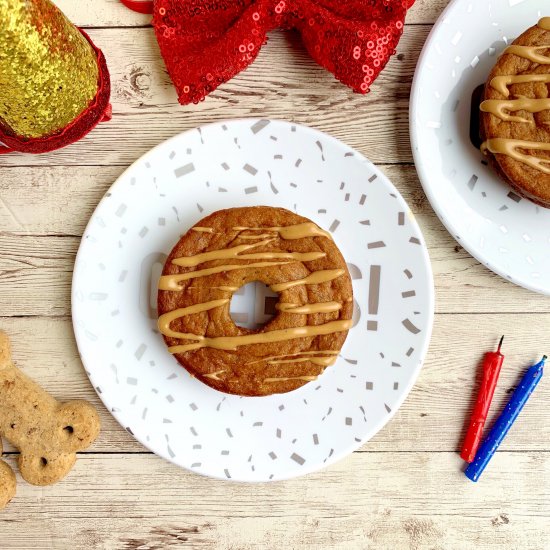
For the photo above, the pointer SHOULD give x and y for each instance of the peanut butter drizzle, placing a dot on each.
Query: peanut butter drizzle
(501, 83)
(497, 107)
(170, 282)
(529, 52)
(321, 276)
(320, 352)
(222, 287)
(231, 343)
(321, 361)
(291, 232)
(544, 23)
(165, 320)
(306, 378)
(203, 229)
(503, 146)
(214, 375)
(319, 307)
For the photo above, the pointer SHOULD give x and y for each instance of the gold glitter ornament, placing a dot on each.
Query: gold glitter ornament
(48, 69)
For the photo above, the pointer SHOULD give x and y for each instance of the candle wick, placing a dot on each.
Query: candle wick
(500, 343)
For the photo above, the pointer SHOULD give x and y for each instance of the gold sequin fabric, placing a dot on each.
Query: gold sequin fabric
(48, 70)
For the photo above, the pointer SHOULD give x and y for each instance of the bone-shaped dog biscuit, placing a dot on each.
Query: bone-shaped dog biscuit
(46, 432)
(7, 482)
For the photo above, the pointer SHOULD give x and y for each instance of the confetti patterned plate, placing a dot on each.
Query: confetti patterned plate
(510, 235)
(245, 163)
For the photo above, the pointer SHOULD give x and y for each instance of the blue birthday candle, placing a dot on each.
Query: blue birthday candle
(505, 420)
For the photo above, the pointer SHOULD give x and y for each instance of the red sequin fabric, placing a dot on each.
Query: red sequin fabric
(206, 42)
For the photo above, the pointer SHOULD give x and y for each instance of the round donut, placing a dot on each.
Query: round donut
(229, 249)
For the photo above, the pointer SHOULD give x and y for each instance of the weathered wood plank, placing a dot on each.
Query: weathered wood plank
(36, 269)
(111, 13)
(368, 501)
(432, 418)
(283, 83)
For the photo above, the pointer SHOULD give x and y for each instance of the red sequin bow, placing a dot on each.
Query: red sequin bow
(206, 42)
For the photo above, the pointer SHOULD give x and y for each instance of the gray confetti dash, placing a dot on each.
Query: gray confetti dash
(382, 355)
(196, 465)
(331, 452)
(122, 275)
(140, 351)
(188, 150)
(372, 325)
(193, 406)
(197, 446)
(472, 182)
(120, 210)
(409, 352)
(369, 385)
(274, 138)
(342, 185)
(374, 288)
(222, 190)
(503, 207)
(410, 327)
(184, 170)
(250, 169)
(320, 145)
(293, 128)
(147, 164)
(225, 453)
(144, 414)
(228, 431)
(226, 471)
(362, 199)
(257, 424)
(279, 433)
(346, 198)
(298, 162)
(292, 184)
(170, 451)
(315, 439)
(408, 294)
(414, 240)
(351, 361)
(200, 208)
(172, 376)
(250, 458)
(172, 155)
(348, 154)
(321, 211)
(176, 212)
(394, 364)
(200, 134)
(236, 140)
(250, 190)
(372, 178)
(483, 194)
(513, 196)
(281, 407)
(349, 421)
(98, 389)
(113, 368)
(387, 407)
(143, 231)
(278, 157)
(225, 166)
(259, 126)
(224, 127)
(455, 105)
(98, 296)
(166, 421)
(119, 343)
(408, 274)
(132, 381)
(365, 222)
(396, 385)
(273, 455)
(364, 413)
(376, 244)
(193, 431)
(297, 458)
(124, 230)
(401, 218)
(154, 390)
(334, 226)
(329, 410)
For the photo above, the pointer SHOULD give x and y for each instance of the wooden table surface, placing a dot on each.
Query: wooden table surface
(405, 487)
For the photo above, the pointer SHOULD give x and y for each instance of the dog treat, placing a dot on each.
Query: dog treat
(46, 432)
(7, 482)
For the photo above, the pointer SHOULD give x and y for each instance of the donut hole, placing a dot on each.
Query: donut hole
(253, 305)
(43, 462)
(69, 429)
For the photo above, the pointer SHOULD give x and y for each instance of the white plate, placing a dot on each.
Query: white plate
(244, 163)
(510, 235)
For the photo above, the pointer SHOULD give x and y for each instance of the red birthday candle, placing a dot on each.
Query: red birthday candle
(491, 370)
